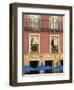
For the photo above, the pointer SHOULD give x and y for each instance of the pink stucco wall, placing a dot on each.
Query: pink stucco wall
(44, 36)
(25, 21)
(61, 42)
(44, 42)
(44, 21)
(26, 42)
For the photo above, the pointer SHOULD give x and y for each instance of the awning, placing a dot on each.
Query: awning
(29, 68)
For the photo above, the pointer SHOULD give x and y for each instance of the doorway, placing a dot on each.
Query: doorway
(61, 63)
(49, 63)
(34, 64)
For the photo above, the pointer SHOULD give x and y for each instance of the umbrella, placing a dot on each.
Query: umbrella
(48, 67)
(59, 67)
(44, 67)
(27, 68)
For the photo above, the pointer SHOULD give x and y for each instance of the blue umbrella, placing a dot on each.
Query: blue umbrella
(59, 67)
(48, 67)
(44, 67)
(27, 68)
(40, 68)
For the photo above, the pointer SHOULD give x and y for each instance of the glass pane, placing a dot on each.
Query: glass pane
(34, 43)
(54, 44)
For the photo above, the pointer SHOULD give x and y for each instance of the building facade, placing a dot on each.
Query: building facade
(43, 40)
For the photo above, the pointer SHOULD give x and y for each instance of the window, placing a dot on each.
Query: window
(33, 22)
(30, 21)
(53, 22)
(36, 22)
(34, 43)
(54, 44)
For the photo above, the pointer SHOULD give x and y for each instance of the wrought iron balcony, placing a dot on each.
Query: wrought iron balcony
(29, 29)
